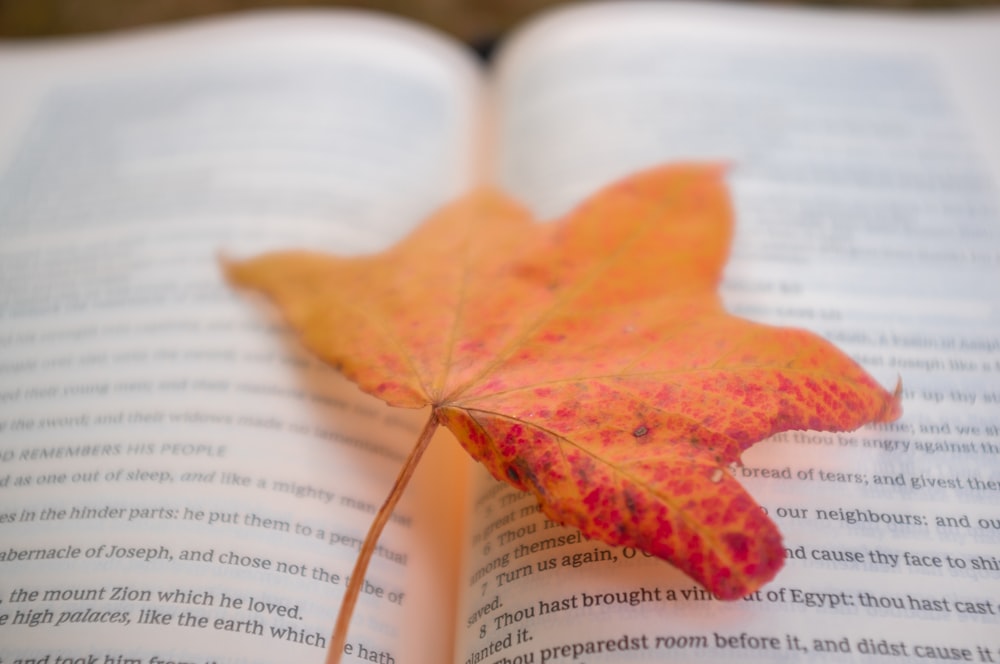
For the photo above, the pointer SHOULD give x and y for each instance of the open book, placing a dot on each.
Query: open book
(180, 482)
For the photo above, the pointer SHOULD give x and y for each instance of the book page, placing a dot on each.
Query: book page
(864, 158)
(179, 480)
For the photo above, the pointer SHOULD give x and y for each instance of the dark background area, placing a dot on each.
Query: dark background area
(474, 21)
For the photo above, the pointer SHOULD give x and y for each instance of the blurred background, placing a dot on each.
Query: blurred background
(477, 22)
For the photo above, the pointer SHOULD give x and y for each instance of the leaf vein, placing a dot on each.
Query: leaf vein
(706, 532)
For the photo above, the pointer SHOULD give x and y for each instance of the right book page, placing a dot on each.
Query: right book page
(864, 160)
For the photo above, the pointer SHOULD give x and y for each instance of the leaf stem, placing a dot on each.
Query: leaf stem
(339, 636)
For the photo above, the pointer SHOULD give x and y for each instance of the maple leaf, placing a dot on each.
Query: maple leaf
(588, 361)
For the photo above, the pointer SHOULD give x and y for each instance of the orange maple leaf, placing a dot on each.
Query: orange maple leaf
(589, 360)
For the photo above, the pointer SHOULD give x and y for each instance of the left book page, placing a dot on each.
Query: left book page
(179, 481)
